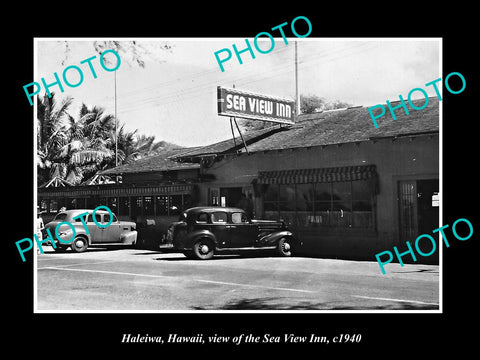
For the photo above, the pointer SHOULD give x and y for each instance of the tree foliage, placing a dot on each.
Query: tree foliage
(74, 148)
(310, 104)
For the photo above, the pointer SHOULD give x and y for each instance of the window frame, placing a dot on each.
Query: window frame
(219, 222)
(197, 217)
(274, 204)
(242, 216)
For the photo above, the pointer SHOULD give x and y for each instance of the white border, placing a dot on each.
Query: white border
(440, 310)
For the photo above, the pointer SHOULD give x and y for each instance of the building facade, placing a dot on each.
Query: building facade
(348, 189)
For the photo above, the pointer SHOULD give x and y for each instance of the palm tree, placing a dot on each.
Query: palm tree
(90, 146)
(68, 148)
(75, 149)
(126, 151)
(51, 136)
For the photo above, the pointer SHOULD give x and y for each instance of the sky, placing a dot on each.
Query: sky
(173, 97)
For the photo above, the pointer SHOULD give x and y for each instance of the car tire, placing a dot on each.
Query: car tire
(79, 244)
(284, 247)
(203, 249)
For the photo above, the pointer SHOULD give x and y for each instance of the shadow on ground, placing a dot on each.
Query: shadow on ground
(274, 304)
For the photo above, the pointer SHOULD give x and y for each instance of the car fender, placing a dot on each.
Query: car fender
(195, 235)
(273, 238)
(66, 233)
(129, 237)
(80, 230)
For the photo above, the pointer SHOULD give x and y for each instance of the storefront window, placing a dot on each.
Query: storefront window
(53, 206)
(112, 205)
(214, 197)
(270, 204)
(136, 205)
(322, 205)
(123, 205)
(176, 204)
(341, 215)
(287, 198)
(305, 195)
(148, 205)
(43, 205)
(334, 204)
(162, 205)
(91, 203)
(362, 204)
(187, 201)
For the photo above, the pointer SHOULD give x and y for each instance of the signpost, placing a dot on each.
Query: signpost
(243, 104)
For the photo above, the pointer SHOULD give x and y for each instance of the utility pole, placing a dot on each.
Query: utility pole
(116, 120)
(297, 95)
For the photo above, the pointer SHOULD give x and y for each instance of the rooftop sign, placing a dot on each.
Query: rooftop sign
(243, 104)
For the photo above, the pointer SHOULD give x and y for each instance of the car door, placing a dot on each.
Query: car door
(95, 231)
(218, 226)
(111, 233)
(240, 232)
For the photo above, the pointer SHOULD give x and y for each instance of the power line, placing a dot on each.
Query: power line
(324, 56)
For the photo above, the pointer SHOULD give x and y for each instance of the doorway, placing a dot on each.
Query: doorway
(418, 208)
(230, 196)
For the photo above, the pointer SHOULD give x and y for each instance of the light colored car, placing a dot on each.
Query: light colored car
(117, 232)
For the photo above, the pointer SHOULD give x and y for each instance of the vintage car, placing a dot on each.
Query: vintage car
(203, 231)
(118, 232)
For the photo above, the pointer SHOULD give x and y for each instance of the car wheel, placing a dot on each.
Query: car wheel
(284, 247)
(203, 249)
(79, 244)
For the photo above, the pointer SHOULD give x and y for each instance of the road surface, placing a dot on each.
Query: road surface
(128, 280)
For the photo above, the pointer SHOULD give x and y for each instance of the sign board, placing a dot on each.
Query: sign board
(244, 104)
(435, 199)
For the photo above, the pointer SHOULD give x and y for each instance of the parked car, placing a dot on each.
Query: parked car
(118, 232)
(203, 231)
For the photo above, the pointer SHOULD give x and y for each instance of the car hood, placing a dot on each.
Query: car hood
(177, 223)
(254, 221)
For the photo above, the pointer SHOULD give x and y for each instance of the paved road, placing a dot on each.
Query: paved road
(121, 279)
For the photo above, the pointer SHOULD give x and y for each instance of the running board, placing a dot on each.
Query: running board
(247, 248)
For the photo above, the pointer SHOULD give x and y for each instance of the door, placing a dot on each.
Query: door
(230, 196)
(107, 234)
(418, 208)
(240, 232)
(218, 226)
(111, 234)
(407, 196)
(428, 207)
(96, 232)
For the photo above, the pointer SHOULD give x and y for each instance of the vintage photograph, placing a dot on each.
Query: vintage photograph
(265, 174)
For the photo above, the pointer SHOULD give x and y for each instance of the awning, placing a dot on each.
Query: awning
(111, 190)
(318, 175)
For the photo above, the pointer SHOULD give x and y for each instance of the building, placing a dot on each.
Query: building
(348, 189)
(152, 192)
